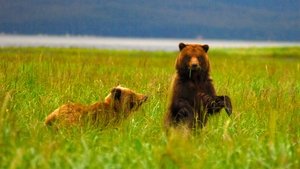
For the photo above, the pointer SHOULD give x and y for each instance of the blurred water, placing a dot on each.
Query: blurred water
(149, 44)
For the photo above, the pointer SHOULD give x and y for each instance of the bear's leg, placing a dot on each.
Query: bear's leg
(183, 113)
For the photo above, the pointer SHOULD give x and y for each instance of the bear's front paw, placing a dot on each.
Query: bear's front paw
(224, 101)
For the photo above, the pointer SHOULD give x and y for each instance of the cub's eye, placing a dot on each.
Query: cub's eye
(132, 104)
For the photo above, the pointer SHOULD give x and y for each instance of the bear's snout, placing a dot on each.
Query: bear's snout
(194, 66)
(194, 63)
(143, 98)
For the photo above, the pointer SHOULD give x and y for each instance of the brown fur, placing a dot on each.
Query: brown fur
(193, 96)
(118, 105)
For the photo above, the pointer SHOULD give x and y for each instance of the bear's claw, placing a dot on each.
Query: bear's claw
(228, 105)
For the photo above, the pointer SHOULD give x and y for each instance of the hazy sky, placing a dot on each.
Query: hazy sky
(231, 19)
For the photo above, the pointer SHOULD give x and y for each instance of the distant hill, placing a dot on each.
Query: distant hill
(218, 19)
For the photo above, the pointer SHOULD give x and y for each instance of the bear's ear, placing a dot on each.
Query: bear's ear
(205, 47)
(116, 93)
(181, 46)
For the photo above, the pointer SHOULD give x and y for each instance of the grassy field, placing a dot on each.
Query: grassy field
(263, 131)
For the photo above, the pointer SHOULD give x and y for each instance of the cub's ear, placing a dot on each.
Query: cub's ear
(116, 93)
(205, 47)
(181, 46)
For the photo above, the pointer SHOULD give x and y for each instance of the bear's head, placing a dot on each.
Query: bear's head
(125, 100)
(192, 59)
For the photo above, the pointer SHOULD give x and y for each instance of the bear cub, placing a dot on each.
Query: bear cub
(118, 105)
(193, 97)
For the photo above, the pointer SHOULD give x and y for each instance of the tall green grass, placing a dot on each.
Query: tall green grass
(263, 131)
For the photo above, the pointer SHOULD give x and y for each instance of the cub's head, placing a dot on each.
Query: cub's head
(192, 58)
(125, 100)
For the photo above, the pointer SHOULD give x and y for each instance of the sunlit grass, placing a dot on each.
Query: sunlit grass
(263, 131)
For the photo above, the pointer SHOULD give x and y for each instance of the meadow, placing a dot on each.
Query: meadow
(263, 131)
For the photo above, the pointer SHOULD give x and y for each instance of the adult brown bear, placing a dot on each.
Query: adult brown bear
(193, 96)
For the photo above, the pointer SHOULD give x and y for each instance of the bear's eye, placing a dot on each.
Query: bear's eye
(201, 58)
(132, 104)
(186, 58)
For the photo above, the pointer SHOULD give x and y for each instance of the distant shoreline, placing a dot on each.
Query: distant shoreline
(121, 43)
